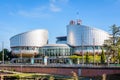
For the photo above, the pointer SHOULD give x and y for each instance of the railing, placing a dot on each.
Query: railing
(25, 51)
(65, 65)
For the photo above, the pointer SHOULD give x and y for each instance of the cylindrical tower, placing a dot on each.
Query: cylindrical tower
(28, 43)
(79, 35)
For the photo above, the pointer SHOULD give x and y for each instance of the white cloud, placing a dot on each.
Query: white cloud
(54, 8)
(40, 11)
(32, 14)
(60, 1)
(36, 12)
(53, 4)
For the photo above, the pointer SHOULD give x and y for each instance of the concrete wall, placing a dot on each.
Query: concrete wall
(46, 70)
(67, 71)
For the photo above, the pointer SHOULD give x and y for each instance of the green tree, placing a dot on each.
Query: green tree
(87, 58)
(118, 57)
(112, 44)
(7, 55)
(103, 57)
(0, 55)
(115, 33)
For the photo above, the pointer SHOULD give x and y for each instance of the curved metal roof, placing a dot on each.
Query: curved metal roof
(29, 31)
(56, 45)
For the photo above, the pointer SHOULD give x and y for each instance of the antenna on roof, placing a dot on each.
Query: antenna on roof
(77, 15)
(78, 20)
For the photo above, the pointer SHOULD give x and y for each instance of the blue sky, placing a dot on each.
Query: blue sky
(17, 16)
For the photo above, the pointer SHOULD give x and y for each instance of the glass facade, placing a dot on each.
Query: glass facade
(89, 49)
(25, 48)
(56, 51)
(61, 40)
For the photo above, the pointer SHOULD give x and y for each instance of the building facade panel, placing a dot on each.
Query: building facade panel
(31, 38)
(29, 42)
(78, 35)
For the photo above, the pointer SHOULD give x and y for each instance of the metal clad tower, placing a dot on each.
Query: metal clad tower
(77, 32)
(29, 42)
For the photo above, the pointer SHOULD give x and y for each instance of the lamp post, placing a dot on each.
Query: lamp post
(82, 48)
(3, 52)
(93, 51)
(21, 59)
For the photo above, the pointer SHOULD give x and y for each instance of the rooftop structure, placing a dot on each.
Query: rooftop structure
(61, 40)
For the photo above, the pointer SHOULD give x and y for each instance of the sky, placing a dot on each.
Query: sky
(18, 16)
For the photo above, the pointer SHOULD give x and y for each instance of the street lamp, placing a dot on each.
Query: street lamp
(82, 48)
(3, 52)
(93, 51)
(21, 59)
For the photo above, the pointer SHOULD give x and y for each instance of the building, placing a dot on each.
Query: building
(28, 43)
(78, 35)
(84, 38)
(79, 40)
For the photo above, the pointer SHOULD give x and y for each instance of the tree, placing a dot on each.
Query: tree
(118, 57)
(112, 44)
(87, 58)
(7, 55)
(115, 31)
(103, 57)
